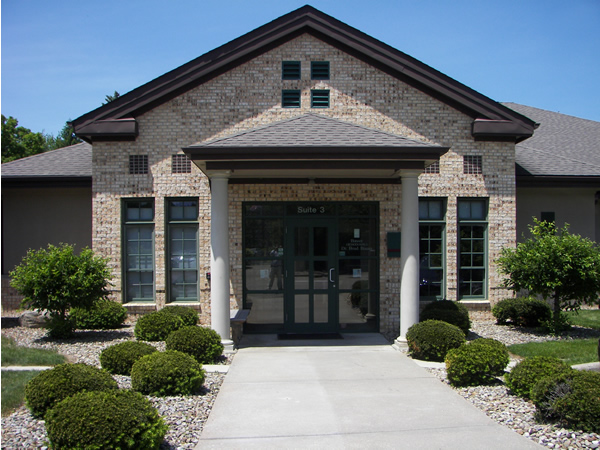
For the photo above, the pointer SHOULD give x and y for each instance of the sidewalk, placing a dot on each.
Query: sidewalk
(355, 393)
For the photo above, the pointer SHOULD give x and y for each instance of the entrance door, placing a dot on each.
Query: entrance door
(311, 276)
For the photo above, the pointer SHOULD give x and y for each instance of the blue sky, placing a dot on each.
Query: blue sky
(61, 58)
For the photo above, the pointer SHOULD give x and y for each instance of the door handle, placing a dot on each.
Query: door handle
(331, 275)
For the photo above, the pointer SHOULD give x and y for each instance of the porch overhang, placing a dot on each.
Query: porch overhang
(330, 150)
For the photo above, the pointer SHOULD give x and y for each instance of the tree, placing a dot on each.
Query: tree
(555, 264)
(65, 138)
(19, 142)
(56, 279)
(109, 98)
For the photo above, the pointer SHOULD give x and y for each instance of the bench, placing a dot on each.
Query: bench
(237, 319)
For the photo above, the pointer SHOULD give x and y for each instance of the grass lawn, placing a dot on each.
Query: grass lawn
(589, 318)
(577, 351)
(13, 382)
(13, 389)
(14, 355)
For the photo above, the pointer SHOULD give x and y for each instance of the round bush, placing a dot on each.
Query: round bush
(167, 373)
(522, 311)
(51, 386)
(572, 400)
(104, 315)
(431, 340)
(478, 362)
(119, 358)
(156, 326)
(447, 311)
(202, 343)
(523, 377)
(188, 315)
(101, 420)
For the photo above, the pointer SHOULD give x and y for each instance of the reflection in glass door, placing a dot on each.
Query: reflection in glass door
(311, 275)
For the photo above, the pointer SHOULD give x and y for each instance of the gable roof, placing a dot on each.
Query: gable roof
(70, 165)
(564, 148)
(116, 120)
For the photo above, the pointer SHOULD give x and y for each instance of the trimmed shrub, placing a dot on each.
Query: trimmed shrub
(523, 377)
(431, 340)
(99, 420)
(448, 311)
(167, 373)
(104, 315)
(156, 326)
(188, 315)
(204, 344)
(51, 386)
(119, 358)
(478, 362)
(522, 311)
(572, 400)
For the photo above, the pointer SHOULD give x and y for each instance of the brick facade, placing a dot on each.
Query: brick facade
(249, 96)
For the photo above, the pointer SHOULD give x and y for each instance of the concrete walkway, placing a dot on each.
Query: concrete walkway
(355, 393)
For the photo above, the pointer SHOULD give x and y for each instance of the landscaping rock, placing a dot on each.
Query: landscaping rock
(33, 319)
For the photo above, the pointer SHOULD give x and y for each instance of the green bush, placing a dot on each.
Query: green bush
(572, 400)
(51, 386)
(56, 280)
(478, 362)
(522, 311)
(103, 315)
(156, 326)
(188, 315)
(167, 373)
(102, 420)
(447, 311)
(204, 344)
(431, 340)
(119, 358)
(523, 377)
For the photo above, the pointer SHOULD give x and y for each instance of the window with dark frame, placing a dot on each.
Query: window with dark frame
(472, 247)
(319, 70)
(548, 216)
(182, 231)
(290, 70)
(181, 164)
(138, 249)
(472, 165)
(432, 236)
(138, 164)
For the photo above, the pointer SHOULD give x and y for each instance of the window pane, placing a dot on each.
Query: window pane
(477, 210)
(265, 308)
(262, 236)
(464, 210)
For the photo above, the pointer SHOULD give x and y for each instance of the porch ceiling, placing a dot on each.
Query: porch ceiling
(310, 147)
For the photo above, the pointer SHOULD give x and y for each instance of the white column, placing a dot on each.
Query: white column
(409, 253)
(219, 256)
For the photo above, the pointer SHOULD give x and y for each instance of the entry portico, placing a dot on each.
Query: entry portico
(313, 149)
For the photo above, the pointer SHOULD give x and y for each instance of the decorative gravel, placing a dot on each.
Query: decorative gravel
(186, 415)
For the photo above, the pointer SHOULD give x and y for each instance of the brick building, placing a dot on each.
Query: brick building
(308, 173)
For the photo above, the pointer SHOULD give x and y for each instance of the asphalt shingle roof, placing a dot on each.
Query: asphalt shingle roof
(561, 146)
(72, 161)
(314, 130)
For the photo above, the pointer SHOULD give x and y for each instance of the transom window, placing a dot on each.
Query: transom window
(138, 236)
(472, 247)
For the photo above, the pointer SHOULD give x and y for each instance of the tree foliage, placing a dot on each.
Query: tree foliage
(65, 138)
(109, 98)
(56, 279)
(19, 142)
(555, 264)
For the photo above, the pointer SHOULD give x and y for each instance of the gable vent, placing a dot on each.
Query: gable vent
(319, 99)
(290, 70)
(290, 99)
(319, 70)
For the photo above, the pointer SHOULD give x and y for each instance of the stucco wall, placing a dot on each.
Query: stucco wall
(249, 96)
(575, 206)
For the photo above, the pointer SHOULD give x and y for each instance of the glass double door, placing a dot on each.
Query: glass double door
(311, 275)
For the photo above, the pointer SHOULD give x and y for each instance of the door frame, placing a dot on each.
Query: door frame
(291, 290)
